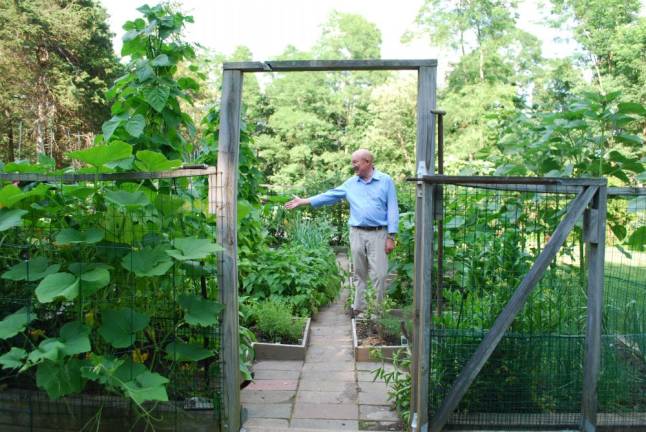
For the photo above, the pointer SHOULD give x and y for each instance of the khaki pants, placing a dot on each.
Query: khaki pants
(369, 260)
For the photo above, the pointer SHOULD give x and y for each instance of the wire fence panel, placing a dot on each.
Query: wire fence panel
(108, 302)
(534, 378)
(622, 385)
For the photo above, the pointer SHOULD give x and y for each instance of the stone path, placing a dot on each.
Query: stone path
(328, 391)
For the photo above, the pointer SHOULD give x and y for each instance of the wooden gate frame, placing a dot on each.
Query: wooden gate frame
(226, 211)
(591, 202)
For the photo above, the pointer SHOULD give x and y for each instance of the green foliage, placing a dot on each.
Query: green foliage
(274, 322)
(146, 109)
(398, 379)
(305, 278)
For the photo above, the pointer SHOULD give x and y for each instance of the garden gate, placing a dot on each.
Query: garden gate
(517, 274)
(229, 142)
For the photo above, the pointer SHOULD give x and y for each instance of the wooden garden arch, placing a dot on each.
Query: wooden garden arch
(227, 168)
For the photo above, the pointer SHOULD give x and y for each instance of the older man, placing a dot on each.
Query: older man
(374, 219)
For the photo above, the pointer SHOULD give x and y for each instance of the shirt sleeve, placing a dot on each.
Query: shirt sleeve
(328, 198)
(393, 208)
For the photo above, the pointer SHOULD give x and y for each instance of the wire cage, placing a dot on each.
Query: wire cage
(490, 237)
(108, 302)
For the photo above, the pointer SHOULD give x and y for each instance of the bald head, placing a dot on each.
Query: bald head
(363, 154)
(362, 163)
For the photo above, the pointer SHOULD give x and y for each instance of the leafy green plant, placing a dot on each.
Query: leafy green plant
(275, 323)
(304, 278)
(146, 109)
(398, 379)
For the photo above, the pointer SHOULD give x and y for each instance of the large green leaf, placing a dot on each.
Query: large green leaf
(13, 324)
(101, 155)
(102, 369)
(161, 60)
(149, 386)
(191, 248)
(32, 270)
(111, 125)
(9, 194)
(180, 351)
(156, 96)
(48, 349)
(135, 125)
(199, 311)
(629, 139)
(59, 380)
(196, 269)
(456, 222)
(13, 359)
(119, 326)
(11, 218)
(57, 285)
(152, 161)
(72, 236)
(75, 337)
(93, 280)
(169, 205)
(637, 240)
(127, 199)
(148, 262)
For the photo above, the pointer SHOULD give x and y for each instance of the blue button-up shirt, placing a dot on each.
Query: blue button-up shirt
(372, 203)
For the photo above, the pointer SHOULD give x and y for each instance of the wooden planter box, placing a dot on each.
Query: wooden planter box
(362, 353)
(277, 351)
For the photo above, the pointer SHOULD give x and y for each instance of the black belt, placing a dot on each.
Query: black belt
(370, 228)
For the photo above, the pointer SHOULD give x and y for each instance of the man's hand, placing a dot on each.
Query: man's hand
(296, 202)
(390, 245)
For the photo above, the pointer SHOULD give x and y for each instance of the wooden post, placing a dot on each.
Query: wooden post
(426, 87)
(595, 237)
(228, 154)
(504, 320)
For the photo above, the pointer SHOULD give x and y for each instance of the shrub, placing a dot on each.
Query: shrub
(274, 322)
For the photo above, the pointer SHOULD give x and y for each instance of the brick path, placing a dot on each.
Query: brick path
(328, 391)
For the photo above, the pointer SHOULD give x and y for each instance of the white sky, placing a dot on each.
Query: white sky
(268, 26)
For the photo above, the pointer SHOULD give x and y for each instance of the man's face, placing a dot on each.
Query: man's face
(361, 166)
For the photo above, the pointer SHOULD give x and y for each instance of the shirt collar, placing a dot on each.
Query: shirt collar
(376, 175)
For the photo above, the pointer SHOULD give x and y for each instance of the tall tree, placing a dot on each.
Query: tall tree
(315, 120)
(60, 60)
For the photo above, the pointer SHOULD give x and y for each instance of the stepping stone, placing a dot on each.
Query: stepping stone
(325, 411)
(323, 397)
(278, 365)
(273, 411)
(267, 396)
(273, 385)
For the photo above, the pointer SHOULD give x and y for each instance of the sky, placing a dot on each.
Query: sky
(267, 27)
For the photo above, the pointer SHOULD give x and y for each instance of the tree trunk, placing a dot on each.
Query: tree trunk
(10, 153)
(41, 126)
(481, 64)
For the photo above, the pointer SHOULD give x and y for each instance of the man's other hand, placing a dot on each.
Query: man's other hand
(296, 202)
(390, 245)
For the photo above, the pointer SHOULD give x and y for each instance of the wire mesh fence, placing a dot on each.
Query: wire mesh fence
(534, 378)
(108, 305)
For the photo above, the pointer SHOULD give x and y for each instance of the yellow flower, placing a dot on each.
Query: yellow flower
(138, 356)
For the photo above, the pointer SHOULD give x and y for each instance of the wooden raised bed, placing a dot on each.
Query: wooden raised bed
(277, 351)
(362, 352)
